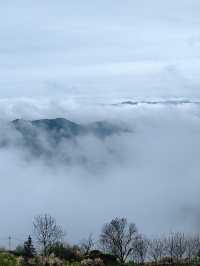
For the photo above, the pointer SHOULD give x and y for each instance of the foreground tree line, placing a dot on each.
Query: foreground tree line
(119, 243)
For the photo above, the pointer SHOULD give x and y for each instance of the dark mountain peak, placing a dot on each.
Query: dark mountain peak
(56, 129)
(46, 136)
(67, 127)
(57, 124)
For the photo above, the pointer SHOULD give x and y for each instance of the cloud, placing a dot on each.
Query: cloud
(113, 47)
(125, 174)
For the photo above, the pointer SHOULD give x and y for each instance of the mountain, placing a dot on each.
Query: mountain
(57, 128)
(162, 102)
(45, 135)
(63, 128)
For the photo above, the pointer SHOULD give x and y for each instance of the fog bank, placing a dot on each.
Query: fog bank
(150, 175)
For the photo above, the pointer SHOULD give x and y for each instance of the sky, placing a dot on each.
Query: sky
(100, 49)
(76, 59)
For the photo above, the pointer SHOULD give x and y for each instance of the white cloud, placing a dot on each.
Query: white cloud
(125, 175)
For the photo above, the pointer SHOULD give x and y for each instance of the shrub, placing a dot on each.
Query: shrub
(92, 262)
(107, 259)
(66, 252)
(7, 259)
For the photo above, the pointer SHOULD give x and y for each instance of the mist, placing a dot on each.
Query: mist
(149, 174)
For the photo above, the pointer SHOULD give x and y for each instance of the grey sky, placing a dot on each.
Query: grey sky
(127, 48)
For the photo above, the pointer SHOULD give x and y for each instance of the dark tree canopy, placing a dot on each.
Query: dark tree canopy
(29, 250)
(87, 245)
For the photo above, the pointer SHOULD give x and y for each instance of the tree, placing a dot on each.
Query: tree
(157, 249)
(19, 250)
(87, 245)
(176, 245)
(117, 238)
(29, 250)
(47, 232)
(192, 246)
(140, 249)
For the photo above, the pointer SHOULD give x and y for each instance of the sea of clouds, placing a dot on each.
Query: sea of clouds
(149, 175)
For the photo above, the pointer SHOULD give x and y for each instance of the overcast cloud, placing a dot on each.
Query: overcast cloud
(86, 48)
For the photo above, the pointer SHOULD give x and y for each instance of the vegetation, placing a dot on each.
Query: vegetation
(119, 244)
(7, 259)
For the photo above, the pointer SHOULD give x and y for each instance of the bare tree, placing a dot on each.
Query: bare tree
(192, 246)
(176, 245)
(117, 238)
(170, 246)
(157, 249)
(140, 249)
(47, 232)
(87, 245)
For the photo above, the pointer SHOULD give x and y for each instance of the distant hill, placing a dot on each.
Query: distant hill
(62, 128)
(45, 135)
(162, 102)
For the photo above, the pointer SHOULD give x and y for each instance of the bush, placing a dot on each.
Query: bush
(107, 259)
(65, 252)
(7, 259)
(90, 262)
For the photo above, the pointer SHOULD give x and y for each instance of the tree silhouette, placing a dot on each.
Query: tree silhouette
(29, 250)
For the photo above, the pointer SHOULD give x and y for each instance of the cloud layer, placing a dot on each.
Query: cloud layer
(149, 175)
(124, 49)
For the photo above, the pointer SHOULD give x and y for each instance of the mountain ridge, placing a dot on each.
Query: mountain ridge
(46, 136)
